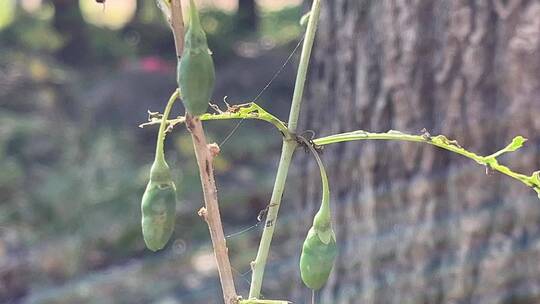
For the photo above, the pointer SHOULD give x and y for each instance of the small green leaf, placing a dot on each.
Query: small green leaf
(305, 19)
(536, 177)
(517, 143)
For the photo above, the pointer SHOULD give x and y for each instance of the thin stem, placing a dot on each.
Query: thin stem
(253, 111)
(205, 155)
(287, 151)
(304, 65)
(211, 213)
(246, 111)
(177, 26)
(279, 185)
(160, 154)
(325, 203)
(440, 141)
(257, 301)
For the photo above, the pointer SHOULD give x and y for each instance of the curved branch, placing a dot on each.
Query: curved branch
(254, 111)
(246, 111)
(442, 142)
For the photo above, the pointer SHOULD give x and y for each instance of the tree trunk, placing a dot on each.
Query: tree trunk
(416, 224)
(69, 23)
(246, 22)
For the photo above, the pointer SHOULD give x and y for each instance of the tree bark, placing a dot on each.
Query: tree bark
(416, 224)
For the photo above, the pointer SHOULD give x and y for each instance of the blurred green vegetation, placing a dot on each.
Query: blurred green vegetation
(146, 33)
(73, 165)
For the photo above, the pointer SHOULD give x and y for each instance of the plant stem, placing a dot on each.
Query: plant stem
(160, 154)
(325, 202)
(257, 301)
(204, 161)
(246, 111)
(287, 151)
(177, 26)
(211, 213)
(303, 65)
(439, 141)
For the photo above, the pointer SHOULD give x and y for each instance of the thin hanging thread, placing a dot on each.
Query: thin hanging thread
(276, 74)
(231, 132)
(238, 274)
(242, 276)
(260, 217)
(243, 231)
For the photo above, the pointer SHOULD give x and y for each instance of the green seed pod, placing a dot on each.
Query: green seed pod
(196, 74)
(159, 200)
(317, 259)
(158, 207)
(319, 250)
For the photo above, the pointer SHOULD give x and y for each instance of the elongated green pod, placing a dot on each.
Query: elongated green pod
(317, 259)
(158, 204)
(158, 207)
(319, 250)
(196, 74)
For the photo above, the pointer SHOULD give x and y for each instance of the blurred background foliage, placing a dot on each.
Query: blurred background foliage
(76, 80)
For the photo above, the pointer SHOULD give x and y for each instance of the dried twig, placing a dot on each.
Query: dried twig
(211, 215)
(204, 160)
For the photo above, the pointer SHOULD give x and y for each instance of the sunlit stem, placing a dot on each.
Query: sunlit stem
(160, 154)
(289, 145)
(438, 141)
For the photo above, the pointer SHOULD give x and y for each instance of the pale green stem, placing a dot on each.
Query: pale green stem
(257, 301)
(289, 145)
(438, 141)
(160, 154)
(325, 204)
(304, 65)
(246, 111)
(253, 111)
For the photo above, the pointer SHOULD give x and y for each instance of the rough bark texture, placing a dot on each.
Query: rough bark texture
(416, 224)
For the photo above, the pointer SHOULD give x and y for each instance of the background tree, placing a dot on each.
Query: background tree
(247, 16)
(418, 225)
(68, 23)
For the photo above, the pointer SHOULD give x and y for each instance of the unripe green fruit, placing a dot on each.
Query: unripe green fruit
(196, 74)
(320, 249)
(317, 259)
(158, 207)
